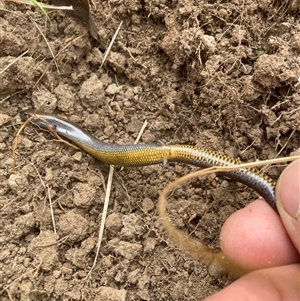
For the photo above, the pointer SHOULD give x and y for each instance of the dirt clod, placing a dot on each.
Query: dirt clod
(110, 294)
(66, 228)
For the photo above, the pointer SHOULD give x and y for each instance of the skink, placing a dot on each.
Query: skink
(149, 154)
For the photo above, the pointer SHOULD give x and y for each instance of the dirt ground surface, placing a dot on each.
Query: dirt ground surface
(218, 74)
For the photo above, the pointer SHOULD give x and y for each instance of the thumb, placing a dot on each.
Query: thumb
(288, 201)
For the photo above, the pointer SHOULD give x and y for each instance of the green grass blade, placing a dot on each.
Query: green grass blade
(38, 4)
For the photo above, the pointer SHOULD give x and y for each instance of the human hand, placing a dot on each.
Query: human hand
(257, 238)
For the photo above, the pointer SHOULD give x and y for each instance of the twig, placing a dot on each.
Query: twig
(19, 278)
(51, 209)
(47, 190)
(16, 141)
(101, 230)
(43, 5)
(59, 53)
(32, 164)
(46, 43)
(283, 147)
(110, 44)
(16, 59)
(141, 132)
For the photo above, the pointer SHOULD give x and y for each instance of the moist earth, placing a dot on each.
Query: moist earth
(223, 75)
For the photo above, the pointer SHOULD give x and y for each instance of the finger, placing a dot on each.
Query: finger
(255, 238)
(288, 201)
(276, 284)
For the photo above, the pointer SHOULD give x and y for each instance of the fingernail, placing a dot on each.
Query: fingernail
(288, 189)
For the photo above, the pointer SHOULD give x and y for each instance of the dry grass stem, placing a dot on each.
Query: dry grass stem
(52, 54)
(47, 6)
(104, 213)
(51, 209)
(15, 60)
(56, 56)
(141, 132)
(110, 44)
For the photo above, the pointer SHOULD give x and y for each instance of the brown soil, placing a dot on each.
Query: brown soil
(217, 74)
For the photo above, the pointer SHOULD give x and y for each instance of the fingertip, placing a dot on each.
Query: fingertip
(279, 283)
(288, 189)
(288, 201)
(254, 238)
